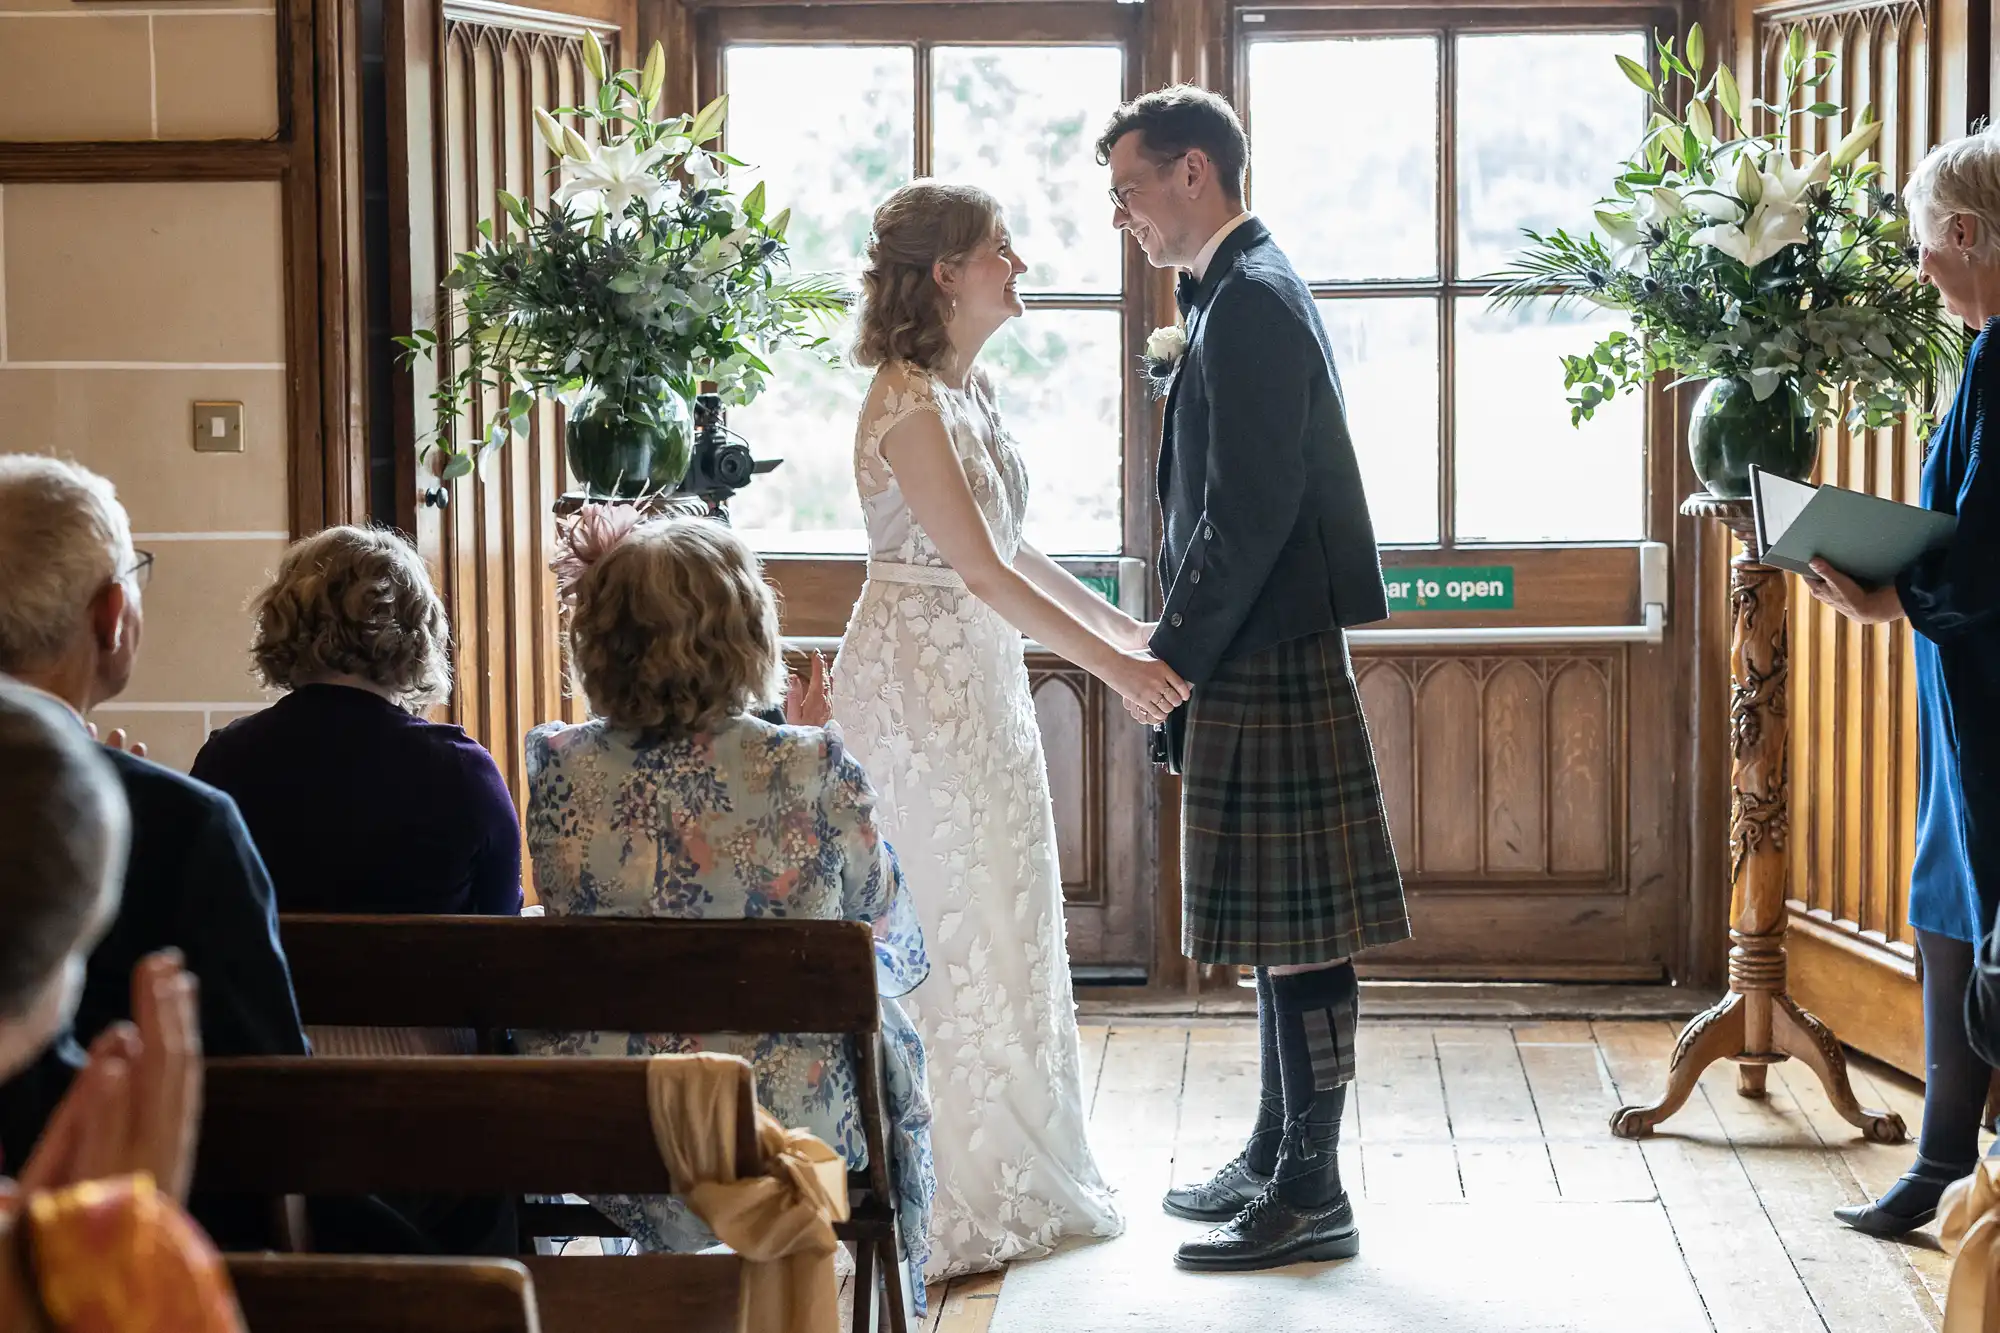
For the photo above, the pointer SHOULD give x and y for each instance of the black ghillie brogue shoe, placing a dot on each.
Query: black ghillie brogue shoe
(1220, 1197)
(1270, 1233)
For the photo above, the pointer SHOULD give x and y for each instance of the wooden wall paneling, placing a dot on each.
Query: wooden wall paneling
(1514, 740)
(486, 67)
(1924, 66)
(341, 272)
(162, 160)
(305, 316)
(1450, 793)
(1504, 777)
(1099, 783)
(1582, 785)
(1499, 770)
(414, 98)
(1389, 704)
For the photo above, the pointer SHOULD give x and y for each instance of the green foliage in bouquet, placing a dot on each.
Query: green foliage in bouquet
(1741, 256)
(644, 277)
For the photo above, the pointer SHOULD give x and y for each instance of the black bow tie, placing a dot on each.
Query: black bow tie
(1184, 289)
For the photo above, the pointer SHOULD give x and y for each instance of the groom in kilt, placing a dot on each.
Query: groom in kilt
(1268, 556)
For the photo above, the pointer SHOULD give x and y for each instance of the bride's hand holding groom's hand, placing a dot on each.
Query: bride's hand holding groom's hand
(1151, 689)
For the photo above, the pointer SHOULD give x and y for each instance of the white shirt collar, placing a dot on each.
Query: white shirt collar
(1201, 261)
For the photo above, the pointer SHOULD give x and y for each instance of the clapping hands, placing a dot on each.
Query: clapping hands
(136, 1106)
(118, 740)
(809, 698)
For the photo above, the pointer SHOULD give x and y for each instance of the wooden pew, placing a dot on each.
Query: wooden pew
(324, 1294)
(560, 974)
(466, 1125)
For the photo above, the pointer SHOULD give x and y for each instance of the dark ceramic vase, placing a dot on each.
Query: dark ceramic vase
(1730, 430)
(615, 457)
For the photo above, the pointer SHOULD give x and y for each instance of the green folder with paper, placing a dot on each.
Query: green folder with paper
(1867, 538)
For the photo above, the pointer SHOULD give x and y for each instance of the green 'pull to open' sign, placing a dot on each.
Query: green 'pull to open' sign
(1451, 588)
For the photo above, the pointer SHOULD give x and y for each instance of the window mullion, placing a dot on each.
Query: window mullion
(926, 150)
(1447, 237)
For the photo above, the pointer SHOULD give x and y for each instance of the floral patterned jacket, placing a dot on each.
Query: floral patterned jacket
(749, 820)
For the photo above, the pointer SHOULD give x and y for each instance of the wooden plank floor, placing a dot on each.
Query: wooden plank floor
(1488, 1113)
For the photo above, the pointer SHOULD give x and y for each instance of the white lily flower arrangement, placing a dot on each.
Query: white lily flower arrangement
(642, 281)
(1744, 257)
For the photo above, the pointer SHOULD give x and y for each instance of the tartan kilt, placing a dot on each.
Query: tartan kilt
(1285, 850)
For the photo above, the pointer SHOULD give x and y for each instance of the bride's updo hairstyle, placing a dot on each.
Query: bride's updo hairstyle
(902, 308)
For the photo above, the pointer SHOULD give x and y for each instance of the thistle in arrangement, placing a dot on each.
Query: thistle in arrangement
(643, 281)
(1786, 278)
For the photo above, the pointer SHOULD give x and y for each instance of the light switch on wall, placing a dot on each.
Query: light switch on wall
(218, 428)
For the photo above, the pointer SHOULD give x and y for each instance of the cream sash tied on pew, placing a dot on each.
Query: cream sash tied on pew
(780, 1217)
(1970, 1229)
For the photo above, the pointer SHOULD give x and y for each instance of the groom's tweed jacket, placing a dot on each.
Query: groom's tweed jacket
(1268, 555)
(1267, 530)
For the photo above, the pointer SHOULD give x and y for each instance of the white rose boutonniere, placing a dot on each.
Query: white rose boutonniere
(1164, 349)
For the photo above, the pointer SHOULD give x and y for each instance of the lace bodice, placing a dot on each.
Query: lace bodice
(989, 455)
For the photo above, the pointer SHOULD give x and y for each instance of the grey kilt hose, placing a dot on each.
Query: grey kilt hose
(1285, 851)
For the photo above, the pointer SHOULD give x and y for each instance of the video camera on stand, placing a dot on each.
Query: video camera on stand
(721, 464)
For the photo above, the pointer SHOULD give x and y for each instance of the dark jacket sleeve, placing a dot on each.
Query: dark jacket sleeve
(496, 869)
(229, 929)
(1956, 588)
(1258, 384)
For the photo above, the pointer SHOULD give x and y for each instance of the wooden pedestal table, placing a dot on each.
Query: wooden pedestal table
(1757, 1024)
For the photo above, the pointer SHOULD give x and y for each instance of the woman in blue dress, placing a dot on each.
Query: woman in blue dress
(1952, 599)
(680, 798)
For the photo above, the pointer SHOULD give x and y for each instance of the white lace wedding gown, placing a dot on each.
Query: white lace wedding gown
(931, 693)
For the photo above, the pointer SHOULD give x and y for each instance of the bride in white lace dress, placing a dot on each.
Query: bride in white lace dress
(931, 692)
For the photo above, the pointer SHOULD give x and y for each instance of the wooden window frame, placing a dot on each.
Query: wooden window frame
(818, 588)
(1557, 582)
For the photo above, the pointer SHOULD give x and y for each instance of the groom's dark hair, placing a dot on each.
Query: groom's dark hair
(1173, 121)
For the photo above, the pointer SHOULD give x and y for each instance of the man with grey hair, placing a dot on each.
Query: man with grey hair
(70, 620)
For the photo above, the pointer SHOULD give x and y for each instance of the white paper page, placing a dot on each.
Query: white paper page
(1779, 502)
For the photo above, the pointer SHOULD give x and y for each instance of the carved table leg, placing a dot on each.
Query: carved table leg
(1806, 1039)
(1757, 1024)
(1715, 1034)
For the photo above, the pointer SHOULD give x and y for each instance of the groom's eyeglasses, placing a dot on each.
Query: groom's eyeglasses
(1121, 195)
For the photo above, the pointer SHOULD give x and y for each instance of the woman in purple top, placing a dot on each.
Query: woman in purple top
(357, 803)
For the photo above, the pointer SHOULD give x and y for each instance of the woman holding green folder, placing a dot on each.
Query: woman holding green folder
(1952, 598)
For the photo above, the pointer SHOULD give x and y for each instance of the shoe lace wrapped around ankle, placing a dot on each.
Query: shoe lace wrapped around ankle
(1217, 1183)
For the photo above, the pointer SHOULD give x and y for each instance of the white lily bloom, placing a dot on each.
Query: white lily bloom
(1771, 226)
(609, 178)
(1793, 181)
(1625, 240)
(1660, 205)
(702, 169)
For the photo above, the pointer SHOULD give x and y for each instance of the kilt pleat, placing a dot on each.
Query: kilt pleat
(1285, 849)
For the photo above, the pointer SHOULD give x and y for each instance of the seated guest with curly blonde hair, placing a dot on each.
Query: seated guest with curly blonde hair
(357, 803)
(678, 800)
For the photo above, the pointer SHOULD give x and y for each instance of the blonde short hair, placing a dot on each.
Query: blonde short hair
(63, 537)
(1958, 177)
(674, 629)
(355, 602)
(903, 311)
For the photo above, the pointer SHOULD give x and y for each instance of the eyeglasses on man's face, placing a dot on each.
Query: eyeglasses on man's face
(1121, 195)
(140, 571)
